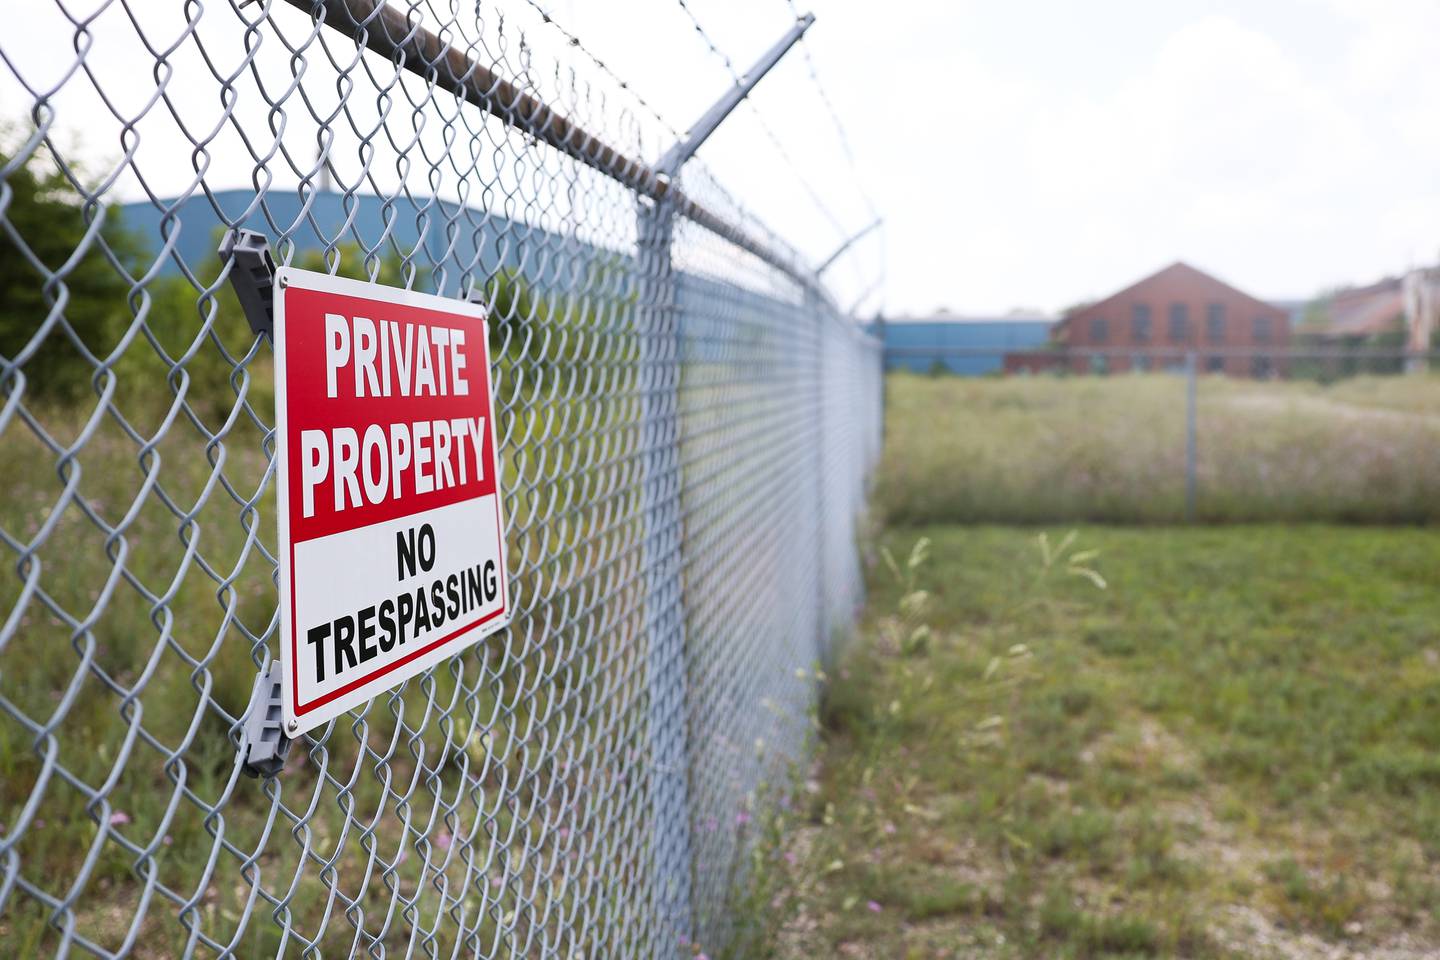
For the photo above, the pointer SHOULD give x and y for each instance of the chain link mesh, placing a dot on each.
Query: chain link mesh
(686, 424)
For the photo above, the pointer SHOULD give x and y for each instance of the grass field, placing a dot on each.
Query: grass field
(145, 610)
(1043, 449)
(1158, 767)
(1230, 751)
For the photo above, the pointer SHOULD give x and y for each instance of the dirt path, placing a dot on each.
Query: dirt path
(1272, 403)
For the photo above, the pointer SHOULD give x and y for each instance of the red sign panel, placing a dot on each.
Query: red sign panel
(392, 546)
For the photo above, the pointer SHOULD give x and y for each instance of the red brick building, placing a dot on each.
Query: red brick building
(1153, 323)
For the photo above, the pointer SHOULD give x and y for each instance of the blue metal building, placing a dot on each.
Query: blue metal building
(969, 346)
(443, 233)
(449, 240)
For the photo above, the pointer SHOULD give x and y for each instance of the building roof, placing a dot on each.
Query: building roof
(1181, 268)
(1363, 311)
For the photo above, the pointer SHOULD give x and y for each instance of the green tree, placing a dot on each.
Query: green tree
(40, 274)
(209, 337)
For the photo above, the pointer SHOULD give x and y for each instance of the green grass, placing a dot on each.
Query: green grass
(1232, 751)
(178, 614)
(1045, 449)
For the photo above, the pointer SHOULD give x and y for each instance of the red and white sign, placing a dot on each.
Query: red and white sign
(392, 546)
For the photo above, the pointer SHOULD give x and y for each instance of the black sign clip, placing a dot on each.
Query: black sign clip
(263, 744)
(252, 276)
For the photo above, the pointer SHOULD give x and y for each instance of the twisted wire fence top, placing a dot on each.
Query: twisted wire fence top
(686, 424)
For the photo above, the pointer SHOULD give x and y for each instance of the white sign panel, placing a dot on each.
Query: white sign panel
(392, 544)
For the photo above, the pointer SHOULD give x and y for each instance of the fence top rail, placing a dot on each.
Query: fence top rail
(399, 37)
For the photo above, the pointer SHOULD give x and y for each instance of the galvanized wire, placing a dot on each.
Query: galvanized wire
(686, 423)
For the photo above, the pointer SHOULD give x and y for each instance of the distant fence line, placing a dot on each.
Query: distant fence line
(1171, 353)
(1317, 365)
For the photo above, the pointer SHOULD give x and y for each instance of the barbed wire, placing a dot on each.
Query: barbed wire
(765, 127)
(841, 133)
(877, 285)
(594, 58)
(705, 37)
(573, 40)
(715, 50)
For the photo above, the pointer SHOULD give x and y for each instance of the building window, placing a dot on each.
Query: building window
(1140, 323)
(1215, 364)
(1215, 323)
(1099, 364)
(1141, 362)
(1179, 323)
(1264, 329)
(1260, 368)
(1099, 330)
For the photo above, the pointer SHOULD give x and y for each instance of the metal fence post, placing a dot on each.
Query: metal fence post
(822, 633)
(1190, 435)
(666, 663)
(666, 670)
(816, 307)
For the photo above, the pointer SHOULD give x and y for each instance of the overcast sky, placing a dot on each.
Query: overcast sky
(1042, 153)
(1023, 154)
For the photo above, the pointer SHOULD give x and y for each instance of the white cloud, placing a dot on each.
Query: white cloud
(1394, 41)
(1039, 153)
(1220, 147)
(1229, 145)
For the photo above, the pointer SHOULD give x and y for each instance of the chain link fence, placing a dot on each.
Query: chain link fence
(687, 423)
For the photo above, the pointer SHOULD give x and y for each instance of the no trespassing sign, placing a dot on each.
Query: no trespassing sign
(392, 543)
